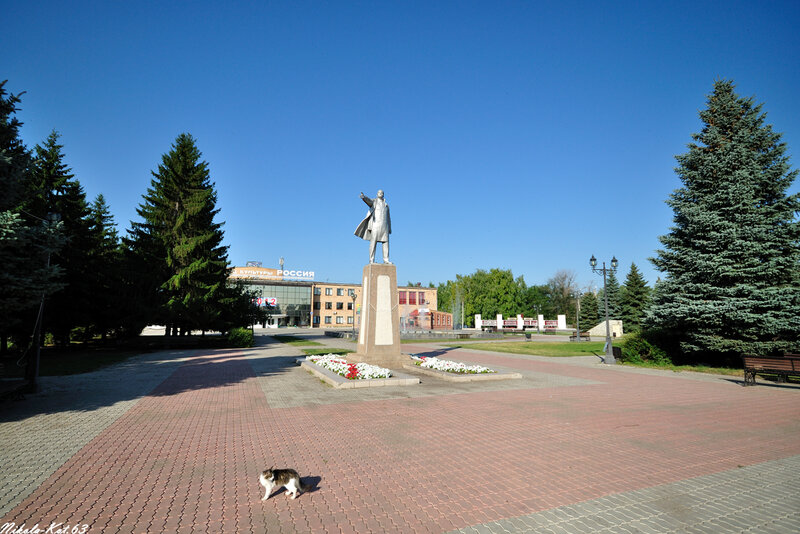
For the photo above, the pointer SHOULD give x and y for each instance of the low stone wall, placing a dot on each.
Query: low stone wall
(461, 377)
(340, 382)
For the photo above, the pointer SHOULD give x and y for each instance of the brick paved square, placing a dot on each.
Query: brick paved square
(569, 447)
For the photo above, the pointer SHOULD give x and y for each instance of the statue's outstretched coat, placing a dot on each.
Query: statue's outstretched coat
(364, 229)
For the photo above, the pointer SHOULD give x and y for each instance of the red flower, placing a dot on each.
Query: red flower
(352, 371)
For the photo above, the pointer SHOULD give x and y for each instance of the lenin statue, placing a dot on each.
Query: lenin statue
(376, 226)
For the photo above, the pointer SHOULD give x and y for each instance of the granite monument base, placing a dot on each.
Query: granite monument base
(379, 334)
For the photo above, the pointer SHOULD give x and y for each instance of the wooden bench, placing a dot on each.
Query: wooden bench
(584, 336)
(783, 366)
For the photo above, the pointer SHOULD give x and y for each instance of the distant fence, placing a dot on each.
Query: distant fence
(521, 323)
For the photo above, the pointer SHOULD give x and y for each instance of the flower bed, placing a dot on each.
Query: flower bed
(351, 371)
(450, 366)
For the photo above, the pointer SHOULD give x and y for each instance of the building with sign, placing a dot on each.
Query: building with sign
(292, 298)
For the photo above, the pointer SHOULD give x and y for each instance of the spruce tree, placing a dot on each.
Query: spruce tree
(731, 260)
(612, 287)
(590, 313)
(54, 189)
(25, 242)
(15, 160)
(634, 297)
(180, 231)
(104, 269)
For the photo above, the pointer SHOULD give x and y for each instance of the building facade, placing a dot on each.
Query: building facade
(329, 305)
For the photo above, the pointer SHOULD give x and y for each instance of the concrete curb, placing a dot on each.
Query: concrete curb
(340, 382)
(465, 377)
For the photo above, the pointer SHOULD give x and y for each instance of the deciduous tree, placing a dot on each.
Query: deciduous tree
(561, 291)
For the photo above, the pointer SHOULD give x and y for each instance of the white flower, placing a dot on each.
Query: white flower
(340, 366)
(452, 367)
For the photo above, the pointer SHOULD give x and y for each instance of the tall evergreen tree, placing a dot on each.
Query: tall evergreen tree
(178, 226)
(612, 287)
(54, 189)
(15, 160)
(104, 269)
(25, 242)
(731, 259)
(634, 298)
(590, 316)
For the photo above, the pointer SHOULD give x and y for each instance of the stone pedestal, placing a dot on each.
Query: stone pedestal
(379, 334)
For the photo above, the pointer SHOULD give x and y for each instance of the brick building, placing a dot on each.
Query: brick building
(328, 305)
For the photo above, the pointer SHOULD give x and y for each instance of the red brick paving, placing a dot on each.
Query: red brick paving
(187, 457)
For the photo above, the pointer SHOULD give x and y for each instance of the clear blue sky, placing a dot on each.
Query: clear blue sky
(520, 135)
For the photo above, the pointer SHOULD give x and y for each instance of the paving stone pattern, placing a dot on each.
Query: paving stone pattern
(567, 447)
(42, 432)
(763, 498)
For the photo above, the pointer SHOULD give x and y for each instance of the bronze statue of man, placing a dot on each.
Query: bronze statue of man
(376, 226)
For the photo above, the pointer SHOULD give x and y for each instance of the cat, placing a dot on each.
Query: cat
(288, 478)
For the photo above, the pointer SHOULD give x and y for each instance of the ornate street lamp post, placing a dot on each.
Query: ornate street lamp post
(578, 316)
(609, 359)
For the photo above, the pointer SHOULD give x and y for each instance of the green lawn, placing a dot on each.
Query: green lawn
(586, 348)
(545, 348)
(440, 340)
(296, 341)
(314, 352)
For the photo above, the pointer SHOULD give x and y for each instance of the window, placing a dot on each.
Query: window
(350, 320)
(327, 319)
(316, 305)
(316, 319)
(339, 292)
(328, 305)
(340, 305)
(317, 291)
(351, 292)
(339, 320)
(349, 305)
(329, 291)
(402, 297)
(421, 298)
(412, 297)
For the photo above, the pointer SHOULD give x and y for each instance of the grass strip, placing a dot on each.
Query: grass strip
(545, 348)
(296, 341)
(317, 352)
(587, 348)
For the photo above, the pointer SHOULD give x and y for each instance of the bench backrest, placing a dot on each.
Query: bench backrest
(775, 364)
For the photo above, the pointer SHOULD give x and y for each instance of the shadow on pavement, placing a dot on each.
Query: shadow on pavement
(158, 374)
(433, 353)
(765, 383)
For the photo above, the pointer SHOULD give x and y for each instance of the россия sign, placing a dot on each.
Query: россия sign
(263, 273)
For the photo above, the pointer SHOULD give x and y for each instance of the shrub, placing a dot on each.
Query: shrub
(240, 337)
(637, 349)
